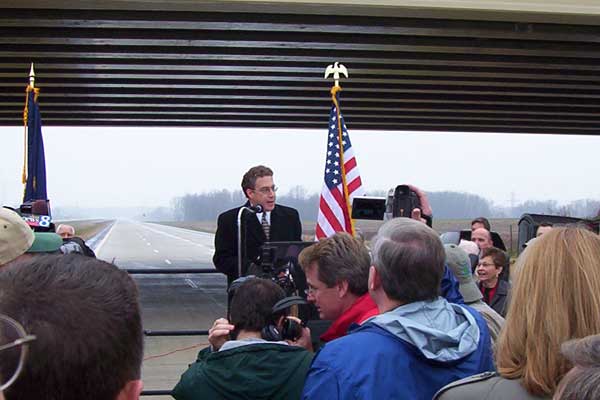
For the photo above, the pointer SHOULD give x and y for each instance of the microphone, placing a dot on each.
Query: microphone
(255, 209)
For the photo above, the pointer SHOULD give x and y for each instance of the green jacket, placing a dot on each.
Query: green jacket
(257, 371)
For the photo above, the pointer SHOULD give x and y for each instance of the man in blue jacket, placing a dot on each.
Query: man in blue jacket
(419, 343)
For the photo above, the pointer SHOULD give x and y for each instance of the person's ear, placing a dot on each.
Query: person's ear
(342, 288)
(374, 278)
(280, 322)
(131, 390)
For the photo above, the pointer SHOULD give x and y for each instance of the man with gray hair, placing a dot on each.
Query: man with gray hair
(72, 243)
(419, 343)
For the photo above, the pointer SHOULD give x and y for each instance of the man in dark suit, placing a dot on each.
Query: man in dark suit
(279, 222)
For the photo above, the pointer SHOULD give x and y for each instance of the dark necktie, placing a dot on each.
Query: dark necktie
(265, 225)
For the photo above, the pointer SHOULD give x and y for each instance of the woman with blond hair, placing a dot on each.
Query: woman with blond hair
(555, 298)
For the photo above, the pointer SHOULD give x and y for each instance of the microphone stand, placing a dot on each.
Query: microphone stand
(255, 209)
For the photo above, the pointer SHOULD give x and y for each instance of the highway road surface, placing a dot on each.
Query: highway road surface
(169, 302)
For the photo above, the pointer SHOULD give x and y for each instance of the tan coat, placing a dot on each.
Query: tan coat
(485, 386)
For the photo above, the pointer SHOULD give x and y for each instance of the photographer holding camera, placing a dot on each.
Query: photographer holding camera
(261, 352)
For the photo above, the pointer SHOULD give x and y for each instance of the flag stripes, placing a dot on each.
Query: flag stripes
(334, 206)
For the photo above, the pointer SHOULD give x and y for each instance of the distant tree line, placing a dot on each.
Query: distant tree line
(207, 206)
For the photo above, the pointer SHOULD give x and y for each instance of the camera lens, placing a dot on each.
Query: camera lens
(291, 330)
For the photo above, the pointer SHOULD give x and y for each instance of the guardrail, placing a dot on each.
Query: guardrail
(150, 271)
(155, 333)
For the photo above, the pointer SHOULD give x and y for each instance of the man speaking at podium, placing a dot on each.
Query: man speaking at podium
(268, 223)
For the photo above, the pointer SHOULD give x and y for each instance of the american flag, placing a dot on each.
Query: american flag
(335, 201)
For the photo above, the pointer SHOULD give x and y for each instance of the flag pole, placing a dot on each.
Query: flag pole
(32, 77)
(336, 69)
(29, 87)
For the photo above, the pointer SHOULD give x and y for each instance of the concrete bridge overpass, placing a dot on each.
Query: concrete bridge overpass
(470, 66)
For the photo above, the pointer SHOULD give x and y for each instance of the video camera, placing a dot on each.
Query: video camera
(399, 202)
(36, 214)
(279, 262)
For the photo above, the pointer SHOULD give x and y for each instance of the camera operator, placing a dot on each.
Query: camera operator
(274, 223)
(259, 353)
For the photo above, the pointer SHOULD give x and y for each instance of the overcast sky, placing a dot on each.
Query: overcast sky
(149, 166)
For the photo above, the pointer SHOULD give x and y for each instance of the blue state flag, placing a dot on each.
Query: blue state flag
(35, 185)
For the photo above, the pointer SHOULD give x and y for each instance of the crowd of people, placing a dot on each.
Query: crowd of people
(411, 317)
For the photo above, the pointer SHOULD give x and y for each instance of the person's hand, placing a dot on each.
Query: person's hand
(425, 206)
(219, 333)
(304, 340)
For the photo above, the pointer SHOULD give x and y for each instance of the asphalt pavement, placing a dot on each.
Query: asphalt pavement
(169, 301)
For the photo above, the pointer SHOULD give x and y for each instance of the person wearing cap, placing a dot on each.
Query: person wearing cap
(16, 237)
(45, 243)
(458, 261)
(18, 242)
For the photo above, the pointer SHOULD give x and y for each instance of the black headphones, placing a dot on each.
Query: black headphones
(291, 329)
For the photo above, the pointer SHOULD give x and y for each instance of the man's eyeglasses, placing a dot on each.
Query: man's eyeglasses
(14, 344)
(312, 290)
(267, 189)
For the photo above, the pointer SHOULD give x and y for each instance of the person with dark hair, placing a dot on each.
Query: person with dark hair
(248, 357)
(274, 223)
(495, 290)
(543, 227)
(459, 263)
(337, 270)
(420, 341)
(582, 382)
(481, 222)
(86, 318)
(14, 345)
(482, 238)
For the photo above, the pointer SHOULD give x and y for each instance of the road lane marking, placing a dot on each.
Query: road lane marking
(207, 235)
(97, 249)
(167, 261)
(191, 283)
